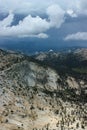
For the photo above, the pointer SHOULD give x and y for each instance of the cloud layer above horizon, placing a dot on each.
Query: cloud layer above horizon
(33, 6)
(77, 36)
(36, 26)
(32, 26)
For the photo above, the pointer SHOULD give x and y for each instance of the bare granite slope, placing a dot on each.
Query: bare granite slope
(36, 97)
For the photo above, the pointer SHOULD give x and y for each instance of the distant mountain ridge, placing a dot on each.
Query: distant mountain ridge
(69, 62)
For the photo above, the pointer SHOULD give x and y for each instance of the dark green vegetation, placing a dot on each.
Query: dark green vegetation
(67, 64)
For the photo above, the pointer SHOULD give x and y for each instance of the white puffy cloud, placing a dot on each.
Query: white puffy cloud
(56, 15)
(28, 26)
(71, 13)
(40, 35)
(77, 36)
(7, 21)
(32, 26)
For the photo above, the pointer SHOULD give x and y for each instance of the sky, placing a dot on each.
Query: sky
(41, 24)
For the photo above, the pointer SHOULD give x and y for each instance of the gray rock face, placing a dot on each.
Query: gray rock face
(34, 97)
